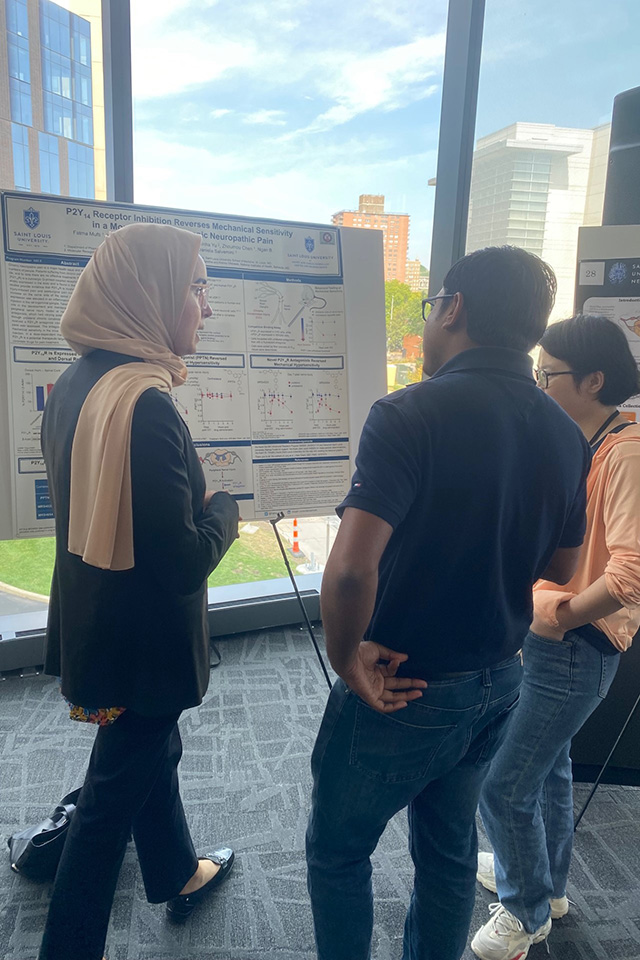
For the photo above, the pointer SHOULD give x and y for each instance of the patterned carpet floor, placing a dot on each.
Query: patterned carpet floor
(245, 779)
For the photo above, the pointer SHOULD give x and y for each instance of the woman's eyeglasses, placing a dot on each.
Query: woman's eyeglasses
(543, 376)
(202, 292)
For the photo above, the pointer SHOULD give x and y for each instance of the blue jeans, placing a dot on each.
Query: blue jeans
(431, 756)
(527, 799)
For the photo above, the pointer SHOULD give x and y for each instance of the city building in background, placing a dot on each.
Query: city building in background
(412, 347)
(395, 231)
(533, 185)
(416, 276)
(52, 131)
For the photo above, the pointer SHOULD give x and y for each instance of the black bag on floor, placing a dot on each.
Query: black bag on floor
(35, 852)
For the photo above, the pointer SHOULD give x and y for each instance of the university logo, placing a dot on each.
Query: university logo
(309, 243)
(31, 218)
(328, 237)
(618, 272)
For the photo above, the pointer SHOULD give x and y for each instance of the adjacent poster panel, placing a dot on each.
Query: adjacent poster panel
(267, 397)
(608, 284)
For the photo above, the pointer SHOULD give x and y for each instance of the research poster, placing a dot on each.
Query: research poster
(266, 400)
(609, 285)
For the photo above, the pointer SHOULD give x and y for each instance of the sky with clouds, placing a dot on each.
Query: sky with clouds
(292, 108)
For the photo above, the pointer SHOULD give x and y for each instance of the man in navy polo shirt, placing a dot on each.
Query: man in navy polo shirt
(468, 488)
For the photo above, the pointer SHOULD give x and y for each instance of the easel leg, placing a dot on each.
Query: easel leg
(274, 524)
(605, 765)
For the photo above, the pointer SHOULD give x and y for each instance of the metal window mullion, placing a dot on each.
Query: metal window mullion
(457, 130)
(116, 45)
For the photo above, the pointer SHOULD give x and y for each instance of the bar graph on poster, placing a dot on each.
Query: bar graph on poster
(272, 402)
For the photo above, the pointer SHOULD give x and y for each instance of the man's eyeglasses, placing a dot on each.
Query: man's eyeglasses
(431, 301)
(202, 291)
(543, 376)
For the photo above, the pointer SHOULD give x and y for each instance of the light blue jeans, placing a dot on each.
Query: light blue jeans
(431, 757)
(527, 798)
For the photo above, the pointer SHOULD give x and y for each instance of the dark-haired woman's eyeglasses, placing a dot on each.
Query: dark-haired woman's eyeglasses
(202, 290)
(431, 301)
(543, 376)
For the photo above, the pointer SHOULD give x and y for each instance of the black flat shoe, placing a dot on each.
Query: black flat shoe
(183, 905)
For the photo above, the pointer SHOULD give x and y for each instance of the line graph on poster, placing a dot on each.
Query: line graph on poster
(323, 404)
(298, 403)
(214, 403)
(276, 403)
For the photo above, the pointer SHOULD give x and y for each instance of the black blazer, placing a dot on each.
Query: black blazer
(135, 638)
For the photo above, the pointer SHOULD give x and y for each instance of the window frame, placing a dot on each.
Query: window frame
(49, 160)
(20, 144)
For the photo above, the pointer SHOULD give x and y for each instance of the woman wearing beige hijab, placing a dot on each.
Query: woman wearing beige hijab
(137, 535)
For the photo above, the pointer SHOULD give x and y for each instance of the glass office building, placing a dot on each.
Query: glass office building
(51, 100)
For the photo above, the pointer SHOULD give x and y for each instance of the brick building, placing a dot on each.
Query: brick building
(371, 215)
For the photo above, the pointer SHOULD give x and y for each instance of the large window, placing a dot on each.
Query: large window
(81, 41)
(21, 169)
(19, 66)
(58, 115)
(548, 77)
(17, 17)
(18, 49)
(66, 73)
(56, 73)
(295, 116)
(49, 163)
(20, 94)
(55, 28)
(80, 170)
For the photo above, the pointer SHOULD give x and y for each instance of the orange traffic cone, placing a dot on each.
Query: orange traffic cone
(295, 546)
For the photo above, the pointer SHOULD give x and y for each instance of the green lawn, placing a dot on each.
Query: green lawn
(27, 563)
(255, 556)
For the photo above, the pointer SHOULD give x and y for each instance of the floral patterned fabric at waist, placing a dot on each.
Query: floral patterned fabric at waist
(103, 716)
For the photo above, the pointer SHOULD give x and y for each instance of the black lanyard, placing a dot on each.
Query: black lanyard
(601, 429)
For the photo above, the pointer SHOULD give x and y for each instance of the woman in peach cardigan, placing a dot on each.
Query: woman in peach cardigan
(572, 651)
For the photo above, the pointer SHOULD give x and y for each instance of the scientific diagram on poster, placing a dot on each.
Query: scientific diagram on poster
(266, 399)
(302, 317)
(227, 466)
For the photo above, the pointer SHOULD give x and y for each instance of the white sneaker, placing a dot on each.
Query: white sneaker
(486, 872)
(504, 938)
(559, 907)
(487, 876)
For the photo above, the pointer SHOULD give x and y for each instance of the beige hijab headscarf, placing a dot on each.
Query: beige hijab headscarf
(129, 299)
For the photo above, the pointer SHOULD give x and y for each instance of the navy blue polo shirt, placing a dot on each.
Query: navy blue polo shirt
(482, 476)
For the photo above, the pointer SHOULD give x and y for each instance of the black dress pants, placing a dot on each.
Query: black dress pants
(131, 786)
